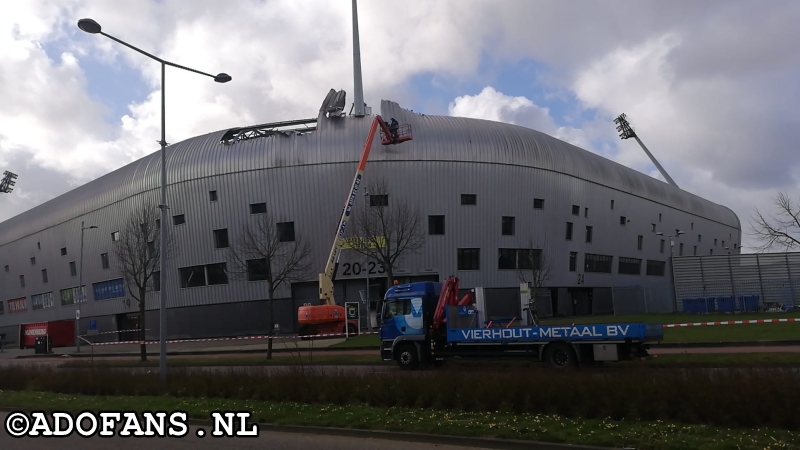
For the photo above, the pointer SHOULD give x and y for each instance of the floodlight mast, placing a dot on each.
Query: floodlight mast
(7, 182)
(626, 132)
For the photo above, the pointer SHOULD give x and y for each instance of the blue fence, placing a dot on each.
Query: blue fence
(723, 304)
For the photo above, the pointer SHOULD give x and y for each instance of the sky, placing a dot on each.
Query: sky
(711, 87)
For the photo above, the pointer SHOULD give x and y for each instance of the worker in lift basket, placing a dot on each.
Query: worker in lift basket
(393, 127)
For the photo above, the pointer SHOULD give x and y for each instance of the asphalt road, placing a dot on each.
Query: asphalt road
(265, 440)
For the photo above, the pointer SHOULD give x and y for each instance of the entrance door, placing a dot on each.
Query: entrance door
(581, 301)
(128, 326)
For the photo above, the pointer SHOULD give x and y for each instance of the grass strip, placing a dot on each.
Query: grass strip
(656, 435)
(245, 361)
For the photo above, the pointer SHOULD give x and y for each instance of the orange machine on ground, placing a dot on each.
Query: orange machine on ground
(328, 317)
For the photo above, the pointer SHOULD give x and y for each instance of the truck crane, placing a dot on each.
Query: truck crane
(425, 323)
(328, 317)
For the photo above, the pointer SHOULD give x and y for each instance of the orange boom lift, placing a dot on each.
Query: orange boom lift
(328, 317)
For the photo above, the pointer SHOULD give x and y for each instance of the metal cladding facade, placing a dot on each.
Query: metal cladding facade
(305, 177)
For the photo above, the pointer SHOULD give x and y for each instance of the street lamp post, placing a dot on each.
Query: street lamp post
(369, 316)
(672, 263)
(92, 27)
(81, 294)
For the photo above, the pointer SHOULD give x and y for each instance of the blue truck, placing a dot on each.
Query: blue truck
(425, 323)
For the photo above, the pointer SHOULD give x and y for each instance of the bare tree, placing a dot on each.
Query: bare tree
(138, 256)
(267, 251)
(533, 268)
(388, 230)
(783, 231)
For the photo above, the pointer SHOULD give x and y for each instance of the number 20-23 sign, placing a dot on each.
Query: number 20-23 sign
(360, 269)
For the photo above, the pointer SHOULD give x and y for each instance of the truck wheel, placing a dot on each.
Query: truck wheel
(560, 356)
(406, 356)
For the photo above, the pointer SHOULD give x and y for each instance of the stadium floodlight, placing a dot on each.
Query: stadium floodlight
(626, 132)
(7, 182)
(92, 27)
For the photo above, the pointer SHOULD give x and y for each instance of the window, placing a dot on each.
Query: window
(723, 244)
(695, 251)
(623, 220)
(42, 301)
(569, 231)
(659, 217)
(115, 236)
(508, 226)
(612, 204)
(576, 210)
(22, 280)
(639, 242)
(258, 208)
(469, 199)
(1, 309)
(156, 281)
(108, 289)
(699, 238)
(158, 224)
(44, 275)
(104, 260)
(64, 251)
(17, 305)
(179, 219)
(212, 196)
(194, 276)
(586, 212)
(597, 263)
(217, 274)
(573, 258)
(73, 269)
(655, 267)
(661, 247)
(38, 246)
(630, 266)
(711, 251)
(715, 242)
(399, 307)
(734, 247)
(221, 238)
(7, 268)
(33, 261)
(286, 231)
(519, 259)
(469, 259)
(72, 295)
(379, 200)
(680, 249)
(588, 234)
(436, 225)
(257, 269)
(538, 203)
(208, 275)
(692, 225)
(653, 227)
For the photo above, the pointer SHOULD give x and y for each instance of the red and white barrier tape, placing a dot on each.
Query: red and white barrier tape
(112, 332)
(235, 338)
(730, 322)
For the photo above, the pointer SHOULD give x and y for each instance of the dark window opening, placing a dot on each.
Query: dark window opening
(630, 266)
(588, 234)
(39, 245)
(258, 208)
(286, 231)
(7, 268)
(217, 274)
(661, 247)
(639, 242)
(469, 199)
(44, 275)
(623, 220)
(569, 231)
(576, 210)
(180, 219)
(194, 276)
(114, 238)
(469, 259)
(212, 196)
(257, 269)
(573, 259)
(64, 250)
(33, 261)
(597, 263)
(655, 267)
(612, 204)
(680, 249)
(586, 212)
(73, 269)
(22, 280)
(538, 203)
(519, 259)
(104, 260)
(379, 200)
(156, 281)
(508, 226)
(221, 238)
(151, 249)
(695, 251)
(659, 217)
(653, 227)
(436, 225)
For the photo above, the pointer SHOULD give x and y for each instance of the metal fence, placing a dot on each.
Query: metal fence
(642, 300)
(732, 283)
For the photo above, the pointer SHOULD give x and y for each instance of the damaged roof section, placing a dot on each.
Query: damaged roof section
(286, 128)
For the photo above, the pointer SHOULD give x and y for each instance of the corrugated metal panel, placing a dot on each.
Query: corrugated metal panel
(304, 178)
